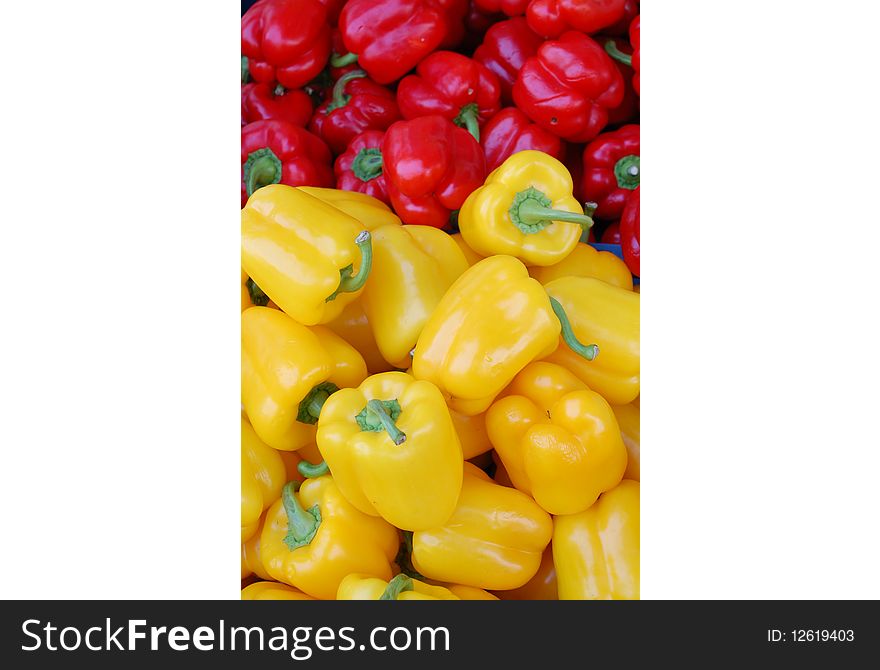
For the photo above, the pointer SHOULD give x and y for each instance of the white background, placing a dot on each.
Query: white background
(119, 347)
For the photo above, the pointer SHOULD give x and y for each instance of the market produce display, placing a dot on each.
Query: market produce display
(440, 369)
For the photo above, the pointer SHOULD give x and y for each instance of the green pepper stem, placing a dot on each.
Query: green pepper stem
(279, 90)
(612, 50)
(396, 586)
(341, 60)
(301, 524)
(256, 293)
(310, 471)
(627, 172)
(533, 214)
(468, 118)
(340, 99)
(245, 73)
(587, 351)
(309, 410)
(377, 409)
(261, 168)
(589, 208)
(352, 283)
(367, 164)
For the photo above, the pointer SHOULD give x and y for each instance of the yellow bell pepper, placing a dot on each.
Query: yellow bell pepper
(470, 592)
(493, 540)
(272, 591)
(559, 441)
(287, 370)
(412, 268)
(471, 256)
(393, 450)
(628, 420)
(525, 209)
(471, 431)
(251, 294)
(370, 211)
(492, 322)
(302, 252)
(262, 476)
(608, 316)
(401, 587)
(585, 261)
(596, 552)
(353, 327)
(314, 538)
(540, 587)
(251, 562)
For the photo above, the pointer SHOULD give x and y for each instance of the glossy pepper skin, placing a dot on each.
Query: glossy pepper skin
(559, 441)
(413, 266)
(251, 563)
(629, 233)
(612, 170)
(525, 209)
(608, 316)
(309, 257)
(470, 255)
(511, 131)
(390, 37)
(268, 101)
(369, 211)
(456, 87)
(285, 41)
(551, 18)
(356, 104)
(314, 538)
(628, 418)
(393, 450)
(359, 167)
(568, 87)
(354, 327)
(628, 109)
(585, 261)
(287, 369)
(431, 165)
(367, 587)
(505, 48)
(262, 476)
(540, 587)
(252, 295)
(272, 591)
(596, 552)
(275, 151)
(491, 323)
(471, 431)
(635, 41)
(493, 540)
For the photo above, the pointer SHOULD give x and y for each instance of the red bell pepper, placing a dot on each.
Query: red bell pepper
(568, 87)
(510, 131)
(453, 86)
(629, 233)
(551, 18)
(630, 11)
(431, 166)
(285, 41)
(265, 101)
(636, 59)
(611, 170)
(505, 48)
(611, 235)
(628, 110)
(274, 152)
(390, 37)
(509, 7)
(334, 8)
(360, 167)
(357, 104)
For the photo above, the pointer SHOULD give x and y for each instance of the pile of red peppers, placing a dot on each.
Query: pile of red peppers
(415, 101)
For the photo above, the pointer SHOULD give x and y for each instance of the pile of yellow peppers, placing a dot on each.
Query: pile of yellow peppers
(429, 416)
